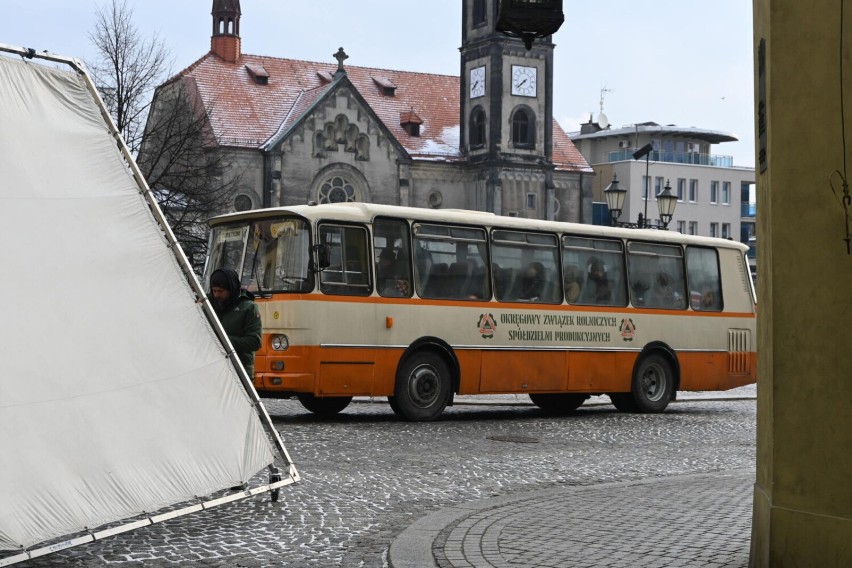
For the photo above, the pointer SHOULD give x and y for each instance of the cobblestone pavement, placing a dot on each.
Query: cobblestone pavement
(367, 477)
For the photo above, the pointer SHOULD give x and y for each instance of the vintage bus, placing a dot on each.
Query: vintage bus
(419, 305)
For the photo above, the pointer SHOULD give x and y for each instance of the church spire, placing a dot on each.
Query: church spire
(225, 41)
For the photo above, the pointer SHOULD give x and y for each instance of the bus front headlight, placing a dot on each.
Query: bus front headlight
(280, 342)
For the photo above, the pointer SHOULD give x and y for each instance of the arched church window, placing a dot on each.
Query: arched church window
(337, 189)
(523, 128)
(362, 148)
(242, 203)
(477, 128)
(478, 12)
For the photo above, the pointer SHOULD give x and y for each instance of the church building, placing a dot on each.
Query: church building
(300, 131)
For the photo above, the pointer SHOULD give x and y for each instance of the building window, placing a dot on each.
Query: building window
(412, 128)
(726, 230)
(693, 191)
(681, 189)
(681, 227)
(242, 203)
(531, 201)
(658, 185)
(477, 128)
(714, 229)
(523, 128)
(478, 12)
(714, 192)
(726, 193)
(338, 189)
(693, 227)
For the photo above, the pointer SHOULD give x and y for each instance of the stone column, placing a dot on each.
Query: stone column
(803, 494)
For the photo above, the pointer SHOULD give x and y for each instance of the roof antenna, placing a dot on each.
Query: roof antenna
(603, 121)
(604, 91)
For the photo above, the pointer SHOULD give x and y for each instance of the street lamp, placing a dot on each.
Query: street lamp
(614, 198)
(645, 152)
(529, 19)
(666, 202)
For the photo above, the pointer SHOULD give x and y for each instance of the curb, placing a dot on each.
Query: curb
(412, 548)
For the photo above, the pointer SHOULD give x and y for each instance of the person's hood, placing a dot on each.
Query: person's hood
(231, 279)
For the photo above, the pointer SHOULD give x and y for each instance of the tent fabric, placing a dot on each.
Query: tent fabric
(116, 397)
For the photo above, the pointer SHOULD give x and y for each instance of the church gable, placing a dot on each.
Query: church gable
(334, 119)
(336, 149)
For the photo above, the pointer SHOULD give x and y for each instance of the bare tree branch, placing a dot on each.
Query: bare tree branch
(167, 127)
(127, 69)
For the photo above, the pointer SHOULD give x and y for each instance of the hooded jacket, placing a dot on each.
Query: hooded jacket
(239, 317)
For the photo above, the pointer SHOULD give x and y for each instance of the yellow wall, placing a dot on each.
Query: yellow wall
(803, 495)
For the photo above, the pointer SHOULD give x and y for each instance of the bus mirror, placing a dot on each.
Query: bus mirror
(323, 256)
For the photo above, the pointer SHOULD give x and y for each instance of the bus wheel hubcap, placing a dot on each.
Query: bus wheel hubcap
(653, 382)
(423, 386)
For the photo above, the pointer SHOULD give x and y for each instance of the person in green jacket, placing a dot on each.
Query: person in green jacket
(238, 314)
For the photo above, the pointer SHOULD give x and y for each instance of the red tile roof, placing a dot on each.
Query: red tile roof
(247, 114)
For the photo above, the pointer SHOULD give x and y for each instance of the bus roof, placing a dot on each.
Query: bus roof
(366, 212)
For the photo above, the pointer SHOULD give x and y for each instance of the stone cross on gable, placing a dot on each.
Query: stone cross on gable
(341, 57)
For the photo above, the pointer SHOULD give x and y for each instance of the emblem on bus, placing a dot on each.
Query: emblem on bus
(487, 325)
(627, 329)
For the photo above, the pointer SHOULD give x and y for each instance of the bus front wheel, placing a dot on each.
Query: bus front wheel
(558, 404)
(652, 388)
(422, 388)
(324, 406)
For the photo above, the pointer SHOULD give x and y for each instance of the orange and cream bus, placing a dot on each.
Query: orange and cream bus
(419, 305)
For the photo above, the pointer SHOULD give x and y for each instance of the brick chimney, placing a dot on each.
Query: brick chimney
(225, 41)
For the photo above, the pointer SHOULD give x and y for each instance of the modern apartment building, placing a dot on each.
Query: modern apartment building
(715, 198)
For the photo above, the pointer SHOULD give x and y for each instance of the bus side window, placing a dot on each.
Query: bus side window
(704, 279)
(526, 267)
(392, 247)
(451, 262)
(656, 275)
(593, 270)
(348, 272)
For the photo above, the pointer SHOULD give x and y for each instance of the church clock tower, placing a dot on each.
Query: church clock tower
(506, 122)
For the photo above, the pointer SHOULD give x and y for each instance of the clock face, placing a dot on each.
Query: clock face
(523, 81)
(477, 82)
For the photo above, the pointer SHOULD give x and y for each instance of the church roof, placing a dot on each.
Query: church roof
(245, 112)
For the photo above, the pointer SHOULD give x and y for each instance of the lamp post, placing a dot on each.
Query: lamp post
(614, 199)
(529, 19)
(666, 202)
(645, 152)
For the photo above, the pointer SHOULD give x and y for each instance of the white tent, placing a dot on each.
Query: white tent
(117, 397)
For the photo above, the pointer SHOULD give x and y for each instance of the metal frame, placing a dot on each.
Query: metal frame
(291, 475)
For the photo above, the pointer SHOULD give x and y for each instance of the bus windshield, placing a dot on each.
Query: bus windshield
(270, 255)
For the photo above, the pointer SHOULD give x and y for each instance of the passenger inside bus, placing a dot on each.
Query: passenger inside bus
(532, 285)
(392, 278)
(665, 293)
(573, 283)
(598, 279)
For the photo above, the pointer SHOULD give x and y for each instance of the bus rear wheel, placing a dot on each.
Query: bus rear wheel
(652, 388)
(558, 404)
(422, 388)
(324, 405)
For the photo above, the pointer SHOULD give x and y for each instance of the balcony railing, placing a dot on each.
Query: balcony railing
(748, 209)
(675, 158)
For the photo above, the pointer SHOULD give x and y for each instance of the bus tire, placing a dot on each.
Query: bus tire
(623, 401)
(653, 383)
(395, 407)
(422, 388)
(325, 405)
(558, 404)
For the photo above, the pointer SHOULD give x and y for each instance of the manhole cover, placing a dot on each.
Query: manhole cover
(514, 438)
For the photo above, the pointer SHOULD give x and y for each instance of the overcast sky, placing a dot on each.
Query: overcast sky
(686, 63)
